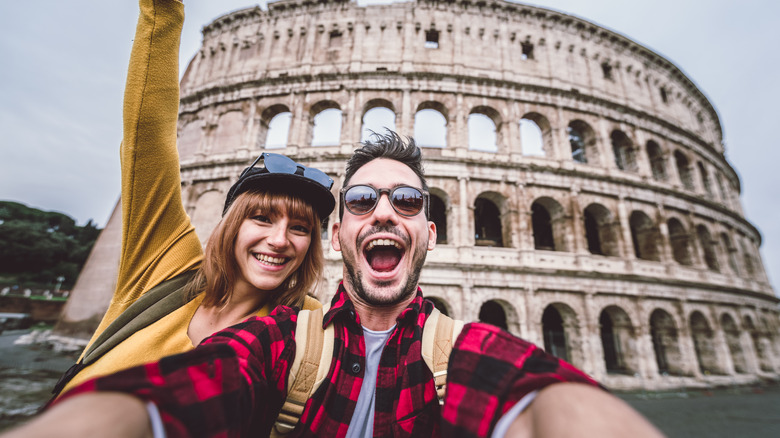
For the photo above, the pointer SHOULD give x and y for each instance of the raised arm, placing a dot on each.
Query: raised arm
(158, 240)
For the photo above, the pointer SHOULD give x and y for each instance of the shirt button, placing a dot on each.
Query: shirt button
(352, 314)
(355, 368)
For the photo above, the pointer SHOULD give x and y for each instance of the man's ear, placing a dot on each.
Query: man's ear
(431, 235)
(334, 237)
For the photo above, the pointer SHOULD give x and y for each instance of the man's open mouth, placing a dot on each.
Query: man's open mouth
(383, 255)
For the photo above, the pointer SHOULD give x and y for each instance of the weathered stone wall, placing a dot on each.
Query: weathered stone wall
(620, 244)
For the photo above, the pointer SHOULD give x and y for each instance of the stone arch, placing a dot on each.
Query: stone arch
(484, 127)
(536, 135)
(666, 343)
(582, 139)
(618, 340)
(657, 160)
(207, 213)
(684, 169)
(492, 312)
(190, 138)
(730, 252)
(441, 304)
(378, 116)
(560, 330)
(708, 247)
(550, 225)
(602, 231)
(680, 242)
(275, 126)
(761, 344)
(438, 214)
(326, 121)
(704, 177)
(229, 132)
(731, 332)
(645, 236)
(704, 343)
(623, 149)
(430, 125)
(488, 229)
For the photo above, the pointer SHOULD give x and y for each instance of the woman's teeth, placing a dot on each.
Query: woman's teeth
(270, 260)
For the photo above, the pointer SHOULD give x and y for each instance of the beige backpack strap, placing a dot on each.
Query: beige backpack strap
(439, 335)
(314, 347)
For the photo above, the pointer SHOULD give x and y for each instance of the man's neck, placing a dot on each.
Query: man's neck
(378, 318)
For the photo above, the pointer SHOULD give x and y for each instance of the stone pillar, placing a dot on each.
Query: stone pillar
(579, 246)
(625, 226)
(663, 230)
(466, 233)
(407, 115)
(458, 130)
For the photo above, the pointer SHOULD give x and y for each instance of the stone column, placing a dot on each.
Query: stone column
(466, 234)
(579, 246)
(625, 226)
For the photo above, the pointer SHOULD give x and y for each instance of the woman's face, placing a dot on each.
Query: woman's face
(269, 247)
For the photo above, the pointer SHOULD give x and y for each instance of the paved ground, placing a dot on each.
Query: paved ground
(28, 372)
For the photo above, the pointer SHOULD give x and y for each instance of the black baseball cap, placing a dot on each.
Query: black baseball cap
(281, 174)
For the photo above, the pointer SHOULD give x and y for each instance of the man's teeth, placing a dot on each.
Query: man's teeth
(269, 259)
(382, 242)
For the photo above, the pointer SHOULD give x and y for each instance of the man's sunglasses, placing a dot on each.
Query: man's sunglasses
(406, 200)
(276, 163)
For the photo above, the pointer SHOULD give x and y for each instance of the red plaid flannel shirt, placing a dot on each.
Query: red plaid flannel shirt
(235, 382)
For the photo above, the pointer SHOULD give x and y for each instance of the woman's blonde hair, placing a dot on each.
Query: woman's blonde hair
(219, 270)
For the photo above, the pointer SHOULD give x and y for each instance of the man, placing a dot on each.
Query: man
(234, 383)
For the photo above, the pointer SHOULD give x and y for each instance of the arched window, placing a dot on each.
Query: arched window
(645, 237)
(602, 232)
(555, 341)
(680, 242)
(747, 259)
(657, 161)
(377, 119)
(623, 148)
(531, 138)
(732, 340)
(487, 223)
(482, 133)
(439, 217)
(542, 226)
(327, 128)
(705, 178)
(493, 313)
(704, 344)
(430, 128)
(617, 335)
(577, 139)
(683, 169)
(666, 345)
(230, 129)
(708, 246)
(440, 305)
(731, 252)
(278, 131)
(324, 228)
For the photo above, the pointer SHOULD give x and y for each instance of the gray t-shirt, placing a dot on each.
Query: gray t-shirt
(362, 423)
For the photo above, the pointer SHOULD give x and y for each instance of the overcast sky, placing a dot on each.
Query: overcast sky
(63, 66)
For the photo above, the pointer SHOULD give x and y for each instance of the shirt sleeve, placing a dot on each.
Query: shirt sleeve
(232, 384)
(491, 370)
(158, 239)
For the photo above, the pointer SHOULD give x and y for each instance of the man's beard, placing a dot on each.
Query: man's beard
(374, 297)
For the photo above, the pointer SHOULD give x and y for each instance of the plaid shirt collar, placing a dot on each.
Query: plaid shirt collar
(341, 307)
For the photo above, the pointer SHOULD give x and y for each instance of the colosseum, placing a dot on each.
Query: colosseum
(578, 179)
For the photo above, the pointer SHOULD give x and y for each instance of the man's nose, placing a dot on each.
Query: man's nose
(384, 211)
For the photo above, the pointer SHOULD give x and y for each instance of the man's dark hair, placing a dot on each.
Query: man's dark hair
(391, 146)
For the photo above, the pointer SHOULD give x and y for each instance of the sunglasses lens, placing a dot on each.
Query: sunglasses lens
(279, 163)
(318, 176)
(407, 200)
(360, 199)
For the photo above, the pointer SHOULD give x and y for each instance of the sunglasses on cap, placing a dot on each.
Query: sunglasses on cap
(362, 199)
(276, 163)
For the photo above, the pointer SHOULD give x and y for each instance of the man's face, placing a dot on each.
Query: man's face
(383, 251)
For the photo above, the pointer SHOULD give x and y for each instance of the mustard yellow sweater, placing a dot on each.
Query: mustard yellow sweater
(158, 239)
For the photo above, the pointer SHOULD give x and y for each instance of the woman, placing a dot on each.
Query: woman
(265, 251)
